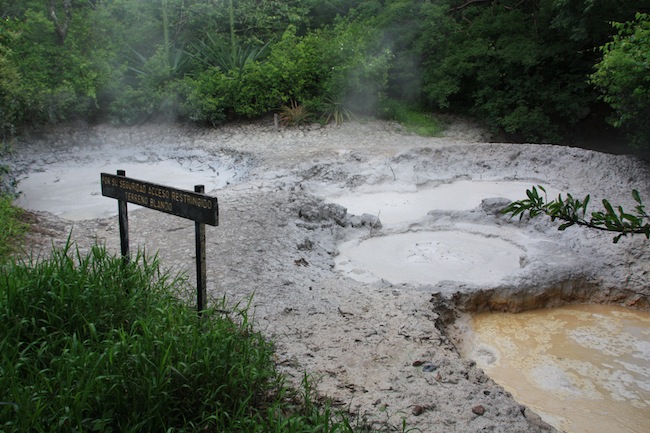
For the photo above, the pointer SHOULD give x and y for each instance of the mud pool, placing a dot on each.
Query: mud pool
(583, 368)
(68, 185)
(297, 234)
(429, 258)
(397, 205)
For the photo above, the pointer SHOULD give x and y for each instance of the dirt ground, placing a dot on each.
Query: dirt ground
(381, 350)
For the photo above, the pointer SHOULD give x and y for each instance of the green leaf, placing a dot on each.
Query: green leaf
(531, 193)
(584, 205)
(608, 208)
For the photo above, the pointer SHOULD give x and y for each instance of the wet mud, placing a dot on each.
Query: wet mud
(379, 346)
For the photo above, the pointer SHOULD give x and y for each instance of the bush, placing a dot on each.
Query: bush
(623, 75)
(291, 71)
(57, 82)
(520, 66)
(359, 65)
(103, 346)
(209, 97)
(11, 99)
(90, 343)
(12, 228)
(295, 114)
(345, 64)
(414, 120)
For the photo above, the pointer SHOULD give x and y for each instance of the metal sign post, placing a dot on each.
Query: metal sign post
(123, 217)
(201, 283)
(197, 206)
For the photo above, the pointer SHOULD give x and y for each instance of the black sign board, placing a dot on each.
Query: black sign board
(196, 206)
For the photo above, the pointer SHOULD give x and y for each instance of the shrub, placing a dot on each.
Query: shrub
(359, 66)
(98, 345)
(343, 62)
(414, 120)
(623, 76)
(334, 110)
(89, 343)
(295, 114)
(208, 97)
(11, 100)
(57, 82)
(12, 228)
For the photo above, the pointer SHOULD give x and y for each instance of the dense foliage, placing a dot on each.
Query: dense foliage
(12, 227)
(624, 76)
(91, 344)
(522, 66)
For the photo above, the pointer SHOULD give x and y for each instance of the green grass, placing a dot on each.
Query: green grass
(12, 228)
(414, 121)
(90, 344)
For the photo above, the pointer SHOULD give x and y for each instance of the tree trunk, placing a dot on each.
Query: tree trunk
(165, 18)
(61, 26)
(233, 44)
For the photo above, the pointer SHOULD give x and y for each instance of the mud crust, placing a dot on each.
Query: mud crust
(366, 344)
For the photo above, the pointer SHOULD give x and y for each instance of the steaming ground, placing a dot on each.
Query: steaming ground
(376, 345)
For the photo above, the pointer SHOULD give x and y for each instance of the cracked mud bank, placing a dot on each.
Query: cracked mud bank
(377, 345)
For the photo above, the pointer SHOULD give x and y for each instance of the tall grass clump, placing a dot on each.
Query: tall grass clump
(89, 343)
(413, 120)
(12, 228)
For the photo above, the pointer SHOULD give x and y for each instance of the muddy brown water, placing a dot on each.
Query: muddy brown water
(583, 368)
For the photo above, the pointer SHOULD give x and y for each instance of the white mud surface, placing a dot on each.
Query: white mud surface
(404, 204)
(377, 347)
(429, 257)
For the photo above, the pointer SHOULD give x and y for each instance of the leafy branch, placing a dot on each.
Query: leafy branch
(574, 212)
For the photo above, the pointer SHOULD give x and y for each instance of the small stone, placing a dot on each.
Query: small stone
(417, 363)
(428, 368)
(478, 410)
(534, 419)
(494, 205)
(418, 410)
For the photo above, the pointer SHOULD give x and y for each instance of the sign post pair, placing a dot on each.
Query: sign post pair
(194, 205)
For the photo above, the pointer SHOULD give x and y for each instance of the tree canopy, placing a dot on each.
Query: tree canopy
(623, 75)
(531, 69)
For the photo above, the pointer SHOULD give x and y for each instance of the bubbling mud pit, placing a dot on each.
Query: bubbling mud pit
(582, 368)
(428, 257)
(364, 250)
(66, 182)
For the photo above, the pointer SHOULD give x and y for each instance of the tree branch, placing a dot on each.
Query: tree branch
(572, 212)
(466, 4)
(61, 28)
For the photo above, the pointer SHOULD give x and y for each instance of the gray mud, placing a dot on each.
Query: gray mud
(378, 349)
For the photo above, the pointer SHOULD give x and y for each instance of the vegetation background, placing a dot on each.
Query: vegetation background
(89, 344)
(534, 70)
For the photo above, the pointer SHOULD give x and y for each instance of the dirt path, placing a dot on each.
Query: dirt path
(373, 348)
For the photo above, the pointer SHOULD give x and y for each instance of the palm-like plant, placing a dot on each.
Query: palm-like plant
(214, 52)
(335, 111)
(295, 114)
